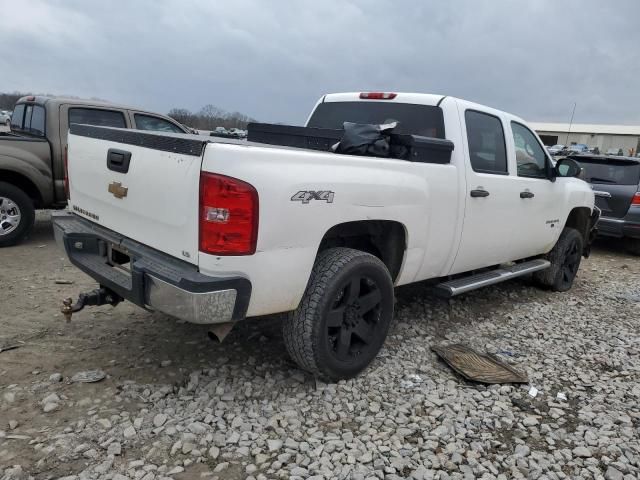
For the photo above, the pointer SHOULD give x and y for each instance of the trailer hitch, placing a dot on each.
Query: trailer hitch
(99, 296)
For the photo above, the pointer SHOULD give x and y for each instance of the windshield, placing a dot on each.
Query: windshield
(424, 120)
(618, 173)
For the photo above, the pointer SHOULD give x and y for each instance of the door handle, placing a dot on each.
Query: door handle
(526, 195)
(479, 192)
(118, 160)
(602, 194)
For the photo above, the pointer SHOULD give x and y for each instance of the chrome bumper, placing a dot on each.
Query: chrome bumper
(203, 308)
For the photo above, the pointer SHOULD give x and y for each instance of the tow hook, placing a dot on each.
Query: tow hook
(99, 296)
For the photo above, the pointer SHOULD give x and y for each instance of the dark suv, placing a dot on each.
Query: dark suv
(616, 183)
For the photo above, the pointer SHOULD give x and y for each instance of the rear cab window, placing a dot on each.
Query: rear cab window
(97, 117)
(153, 123)
(610, 171)
(485, 138)
(17, 117)
(29, 118)
(413, 119)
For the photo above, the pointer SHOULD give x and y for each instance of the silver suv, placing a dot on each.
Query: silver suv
(5, 117)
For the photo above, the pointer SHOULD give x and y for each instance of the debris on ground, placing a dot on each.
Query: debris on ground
(10, 347)
(88, 376)
(478, 367)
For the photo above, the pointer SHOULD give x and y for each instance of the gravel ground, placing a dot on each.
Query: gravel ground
(176, 405)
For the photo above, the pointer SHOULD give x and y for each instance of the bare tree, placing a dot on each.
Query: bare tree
(8, 100)
(209, 117)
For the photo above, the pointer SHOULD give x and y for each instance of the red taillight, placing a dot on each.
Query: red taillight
(636, 199)
(378, 95)
(228, 215)
(66, 172)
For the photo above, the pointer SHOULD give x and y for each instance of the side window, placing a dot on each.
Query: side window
(149, 122)
(486, 143)
(97, 117)
(530, 156)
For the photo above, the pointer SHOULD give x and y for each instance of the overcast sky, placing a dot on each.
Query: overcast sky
(273, 59)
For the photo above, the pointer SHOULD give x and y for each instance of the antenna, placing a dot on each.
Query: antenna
(570, 123)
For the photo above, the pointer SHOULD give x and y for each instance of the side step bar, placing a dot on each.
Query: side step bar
(455, 287)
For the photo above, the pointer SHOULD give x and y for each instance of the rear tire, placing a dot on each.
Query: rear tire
(17, 214)
(565, 260)
(632, 245)
(344, 316)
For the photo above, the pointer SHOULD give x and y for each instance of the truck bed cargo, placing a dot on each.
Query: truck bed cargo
(419, 149)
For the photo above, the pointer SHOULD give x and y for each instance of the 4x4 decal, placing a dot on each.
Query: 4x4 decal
(305, 196)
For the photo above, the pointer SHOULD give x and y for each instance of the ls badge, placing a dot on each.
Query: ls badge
(118, 190)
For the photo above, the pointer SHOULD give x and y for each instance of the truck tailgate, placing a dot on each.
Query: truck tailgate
(141, 185)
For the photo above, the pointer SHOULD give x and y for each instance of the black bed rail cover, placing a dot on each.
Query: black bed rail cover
(156, 141)
(420, 149)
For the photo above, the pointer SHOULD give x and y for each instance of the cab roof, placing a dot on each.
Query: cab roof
(57, 101)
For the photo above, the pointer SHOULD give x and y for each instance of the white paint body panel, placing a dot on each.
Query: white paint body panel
(447, 231)
(365, 189)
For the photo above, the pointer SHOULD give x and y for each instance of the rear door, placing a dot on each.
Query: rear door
(490, 232)
(615, 182)
(144, 186)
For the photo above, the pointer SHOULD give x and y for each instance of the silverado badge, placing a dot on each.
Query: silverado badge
(118, 190)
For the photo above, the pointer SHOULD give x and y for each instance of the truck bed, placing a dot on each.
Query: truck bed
(264, 135)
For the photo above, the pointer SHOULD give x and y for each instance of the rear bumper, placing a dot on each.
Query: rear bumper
(628, 226)
(154, 280)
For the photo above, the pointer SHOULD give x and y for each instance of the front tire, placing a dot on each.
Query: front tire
(17, 214)
(344, 316)
(565, 260)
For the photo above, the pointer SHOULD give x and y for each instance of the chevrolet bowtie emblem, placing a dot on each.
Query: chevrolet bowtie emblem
(118, 190)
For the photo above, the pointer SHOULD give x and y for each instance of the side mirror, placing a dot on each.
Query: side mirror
(568, 167)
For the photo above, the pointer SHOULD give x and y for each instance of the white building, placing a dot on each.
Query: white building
(604, 137)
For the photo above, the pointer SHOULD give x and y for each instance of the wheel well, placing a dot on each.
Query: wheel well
(579, 218)
(385, 239)
(24, 184)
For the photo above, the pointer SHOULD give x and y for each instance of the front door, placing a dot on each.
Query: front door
(540, 202)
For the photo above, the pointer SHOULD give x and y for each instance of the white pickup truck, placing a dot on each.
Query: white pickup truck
(214, 230)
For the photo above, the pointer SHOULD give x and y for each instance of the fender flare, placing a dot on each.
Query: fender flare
(17, 171)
